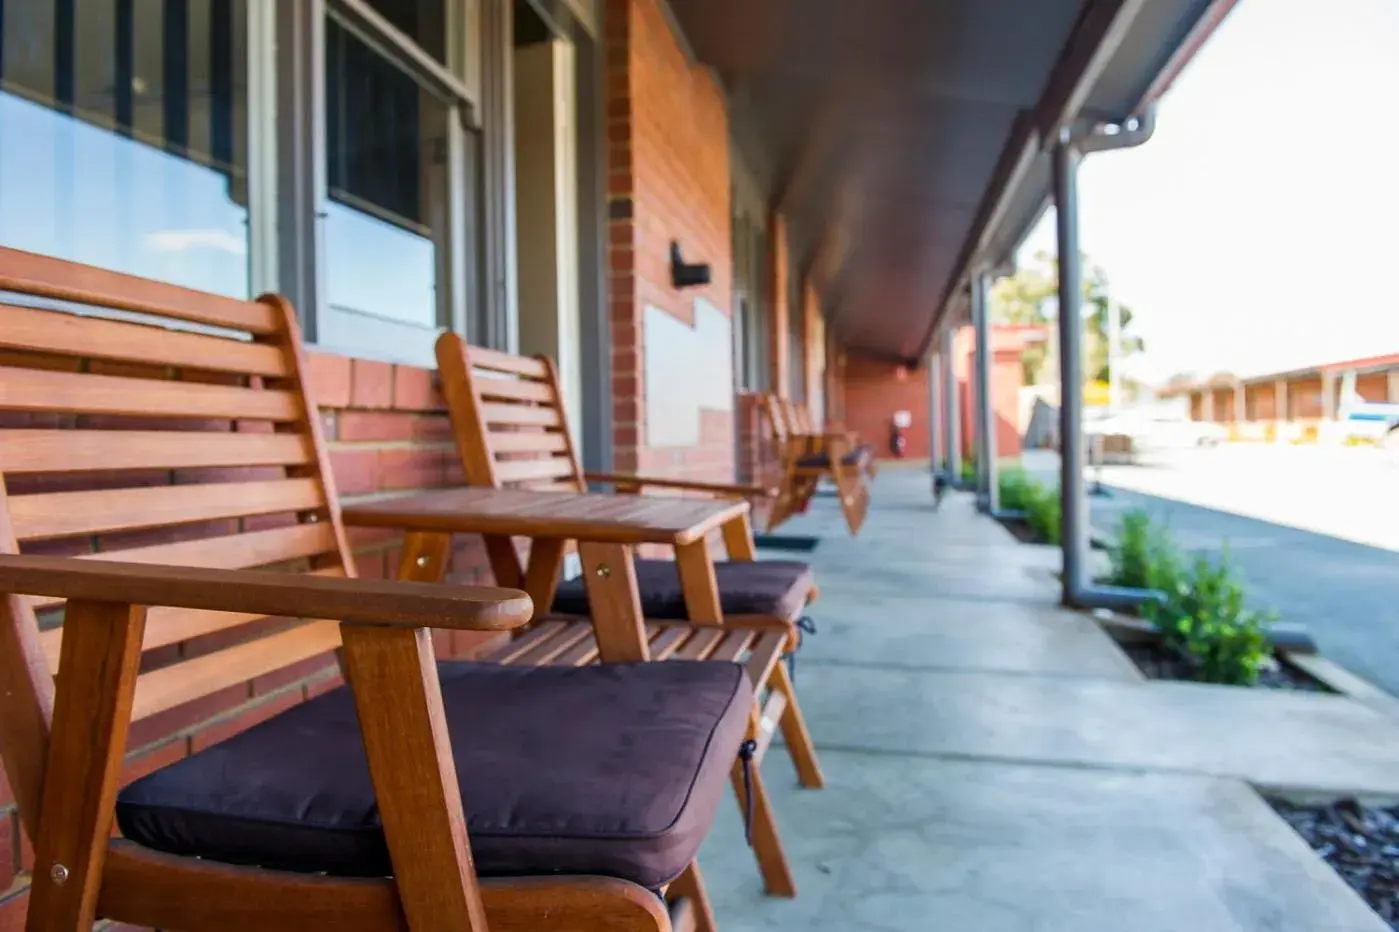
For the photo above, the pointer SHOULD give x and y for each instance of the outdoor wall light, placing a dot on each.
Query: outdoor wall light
(684, 274)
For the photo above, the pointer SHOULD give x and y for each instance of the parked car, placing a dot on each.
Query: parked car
(1129, 436)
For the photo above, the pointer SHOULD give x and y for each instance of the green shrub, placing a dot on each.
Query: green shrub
(1042, 511)
(1203, 617)
(969, 470)
(1144, 556)
(1014, 488)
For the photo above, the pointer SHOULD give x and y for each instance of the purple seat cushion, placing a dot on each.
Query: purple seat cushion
(778, 588)
(822, 460)
(612, 770)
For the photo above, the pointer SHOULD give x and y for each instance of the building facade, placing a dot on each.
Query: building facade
(1293, 405)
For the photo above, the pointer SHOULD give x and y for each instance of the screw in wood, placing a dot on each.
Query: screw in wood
(604, 570)
(59, 874)
(422, 561)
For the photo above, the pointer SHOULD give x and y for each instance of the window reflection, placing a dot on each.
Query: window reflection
(386, 172)
(123, 139)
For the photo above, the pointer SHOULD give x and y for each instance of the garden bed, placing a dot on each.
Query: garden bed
(1360, 842)
(1159, 662)
(1020, 529)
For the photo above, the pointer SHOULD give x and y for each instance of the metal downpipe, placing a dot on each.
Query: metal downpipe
(1078, 590)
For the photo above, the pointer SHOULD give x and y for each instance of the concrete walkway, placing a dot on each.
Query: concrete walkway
(996, 763)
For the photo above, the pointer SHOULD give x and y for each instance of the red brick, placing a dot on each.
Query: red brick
(324, 685)
(268, 522)
(365, 426)
(208, 474)
(432, 428)
(411, 468)
(366, 538)
(302, 670)
(13, 910)
(26, 850)
(132, 370)
(328, 376)
(244, 720)
(219, 378)
(127, 422)
(148, 762)
(376, 565)
(355, 471)
(8, 830)
(86, 482)
(414, 390)
(371, 384)
(443, 646)
(165, 724)
(169, 534)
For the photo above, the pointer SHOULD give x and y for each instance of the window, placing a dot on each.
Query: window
(387, 185)
(397, 258)
(124, 136)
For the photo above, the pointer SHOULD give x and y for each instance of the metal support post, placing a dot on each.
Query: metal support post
(986, 479)
(951, 413)
(935, 440)
(1078, 590)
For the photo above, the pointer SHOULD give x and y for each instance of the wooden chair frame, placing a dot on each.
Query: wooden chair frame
(797, 482)
(511, 426)
(62, 740)
(819, 439)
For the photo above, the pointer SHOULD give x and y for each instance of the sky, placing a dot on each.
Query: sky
(1258, 230)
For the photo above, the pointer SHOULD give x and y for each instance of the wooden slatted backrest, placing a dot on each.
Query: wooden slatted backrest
(148, 423)
(775, 407)
(801, 415)
(508, 418)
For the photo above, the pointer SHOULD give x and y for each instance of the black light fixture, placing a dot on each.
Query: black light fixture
(684, 274)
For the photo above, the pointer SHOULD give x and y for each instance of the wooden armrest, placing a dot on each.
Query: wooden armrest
(715, 488)
(374, 602)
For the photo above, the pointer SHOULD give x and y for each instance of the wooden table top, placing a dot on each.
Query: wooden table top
(619, 519)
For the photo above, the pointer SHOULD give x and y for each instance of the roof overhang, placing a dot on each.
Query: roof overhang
(905, 142)
(1126, 56)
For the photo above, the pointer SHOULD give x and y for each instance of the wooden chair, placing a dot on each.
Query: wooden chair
(818, 438)
(511, 429)
(804, 462)
(168, 442)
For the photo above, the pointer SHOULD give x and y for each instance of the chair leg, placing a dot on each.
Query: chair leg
(794, 733)
(853, 498)
(781, 509)
(689, 888)
(767, 844)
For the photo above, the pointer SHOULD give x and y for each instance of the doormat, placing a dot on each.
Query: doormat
(786, 542)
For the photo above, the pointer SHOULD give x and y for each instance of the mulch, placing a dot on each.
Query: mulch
(1159, 662)
(1361, 843)
(1021, 531)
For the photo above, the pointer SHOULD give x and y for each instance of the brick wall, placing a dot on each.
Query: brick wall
(874, 389)
(387, 430)
(1260, 402)
(668, 181)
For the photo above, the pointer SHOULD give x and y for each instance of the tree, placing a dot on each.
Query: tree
(1021, 299)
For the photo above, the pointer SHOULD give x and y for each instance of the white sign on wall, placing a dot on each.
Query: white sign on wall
(688, 369)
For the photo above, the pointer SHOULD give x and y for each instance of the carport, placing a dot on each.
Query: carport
(908, 148)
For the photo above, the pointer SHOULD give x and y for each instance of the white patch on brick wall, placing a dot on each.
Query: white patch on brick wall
(687, 370)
